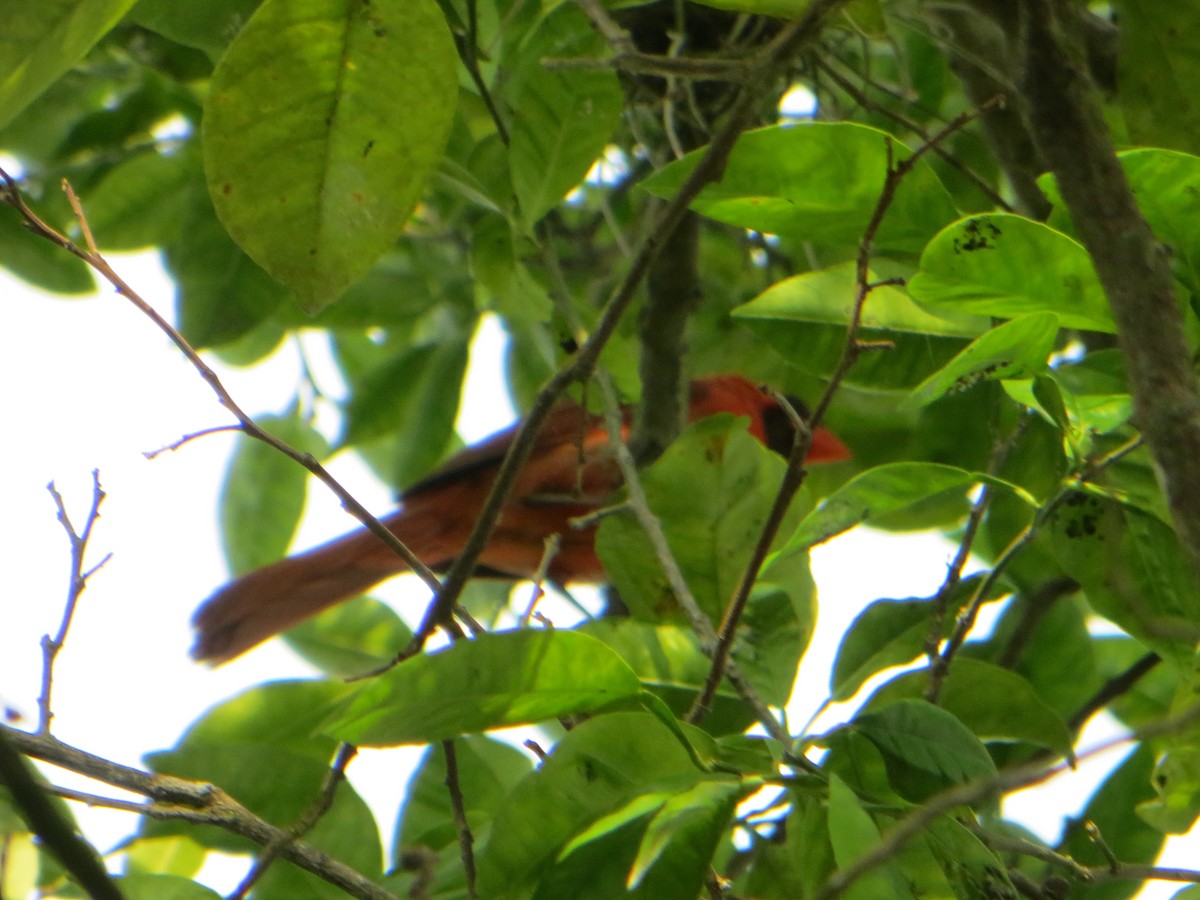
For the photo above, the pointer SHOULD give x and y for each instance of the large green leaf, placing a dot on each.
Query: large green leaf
(1016, 349)
(885, 489)
(1134, 571)
(263, 494)
(853, 834)
(562, 118)
(711, 532)
(324, 119)
(995, 703)
(492, 681)
(925, 748)
(887, 633)
(40, 41)
(1007, 266)
(594, 770)
(827, 296)
(819, 182)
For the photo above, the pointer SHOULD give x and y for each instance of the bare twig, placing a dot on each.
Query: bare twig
(553, 544)
(79, 541)
(466, 841)
(321, 805)
(198, 803)
(187, 438)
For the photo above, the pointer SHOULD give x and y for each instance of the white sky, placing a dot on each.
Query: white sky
(93, 384)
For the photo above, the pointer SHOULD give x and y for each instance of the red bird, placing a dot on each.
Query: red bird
(569, 460)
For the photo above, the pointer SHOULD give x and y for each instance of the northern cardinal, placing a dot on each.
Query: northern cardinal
(569, 470)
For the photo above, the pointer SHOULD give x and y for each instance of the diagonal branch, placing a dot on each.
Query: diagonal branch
(198, 803)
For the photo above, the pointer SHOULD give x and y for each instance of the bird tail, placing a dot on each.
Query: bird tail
(272, 599)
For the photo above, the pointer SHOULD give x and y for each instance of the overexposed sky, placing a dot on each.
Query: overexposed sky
(93, 384)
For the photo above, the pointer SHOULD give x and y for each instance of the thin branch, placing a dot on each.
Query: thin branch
(941, 600)
(466, 840)
(966, 621)
(334, 777)
(187, 438)
(79, 541)
(198, 803)
(468, 51)
(74, 853)
(1117, 686)
(977, 791)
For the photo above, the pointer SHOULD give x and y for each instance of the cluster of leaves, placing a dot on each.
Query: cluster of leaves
(389, 171)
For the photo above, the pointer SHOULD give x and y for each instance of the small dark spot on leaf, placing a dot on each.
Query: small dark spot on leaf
(227, 189)
(367, 149)
(977, 234)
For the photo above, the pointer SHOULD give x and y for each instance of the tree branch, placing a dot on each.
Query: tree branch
(198, 803)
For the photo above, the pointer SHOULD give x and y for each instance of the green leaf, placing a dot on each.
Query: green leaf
(414, 394)
(853, 834)
(926, 749)
(1157, 71)
(208, 26)
(597, 768)
(562, 119)
(885, 489)
(511, 290)
(163, 887)
(819, 182)
(691, 822)
(351, 638)
(492, 681)
(1133, 570)
(165, 856)
(1007, 266)
(41, 41)
(324, 119)
(887, 633)
(221, 293)
(142, 202)
(487, 771)
(972, 869)
(39, 262)
(711, 532)
(995, 704)
(1016, 349)
(1177, 782)
(263, 494)
(668, 660)
(827, 296)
